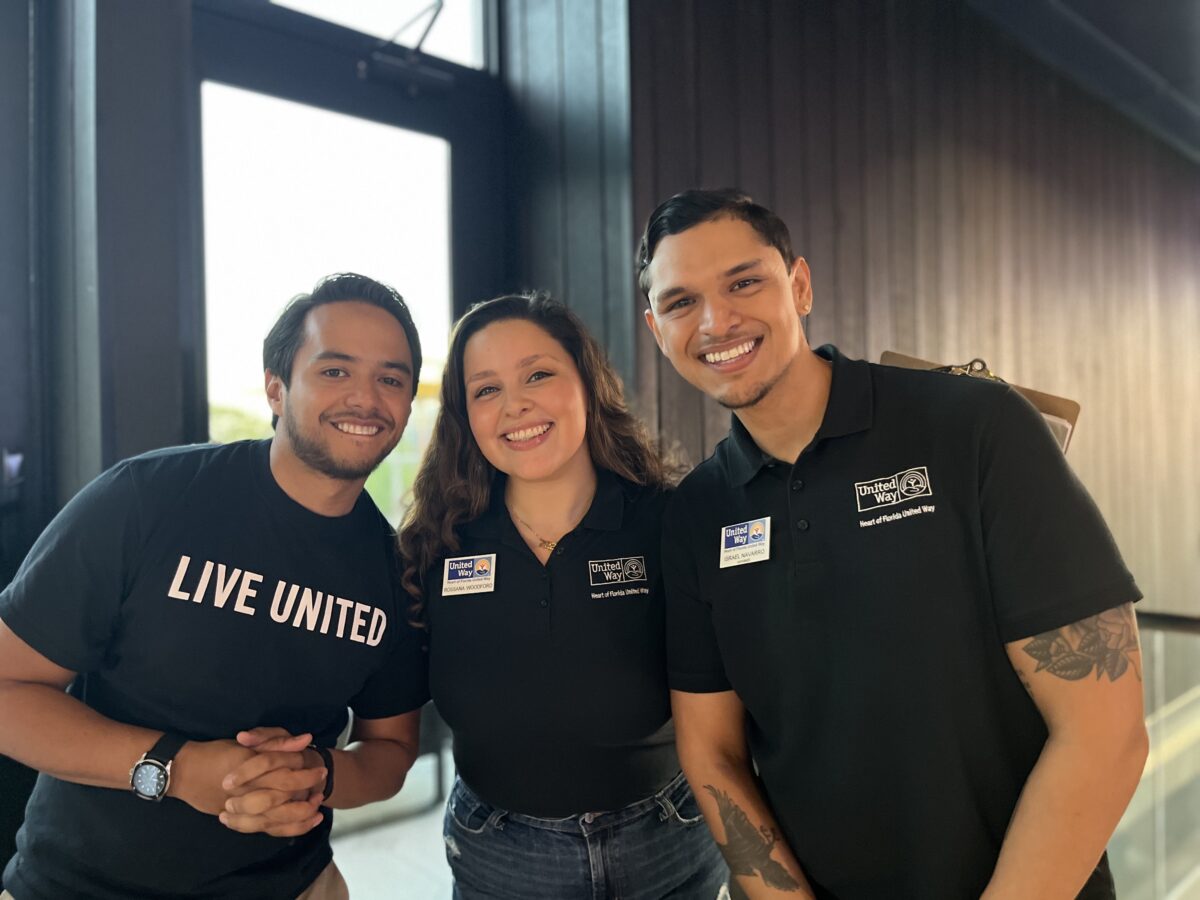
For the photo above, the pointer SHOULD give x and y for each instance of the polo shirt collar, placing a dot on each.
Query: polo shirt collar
(850, 410)
(605, 514)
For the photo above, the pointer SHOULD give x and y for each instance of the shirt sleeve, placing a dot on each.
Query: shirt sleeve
(401, 684)
(1051, 559)
(65, 600)
(693, 656)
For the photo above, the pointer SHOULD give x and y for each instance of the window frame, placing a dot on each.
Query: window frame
(279, 52)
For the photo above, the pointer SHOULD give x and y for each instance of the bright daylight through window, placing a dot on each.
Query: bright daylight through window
(293, 193)
(457, 35)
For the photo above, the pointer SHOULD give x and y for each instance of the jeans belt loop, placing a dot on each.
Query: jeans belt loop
(668, 808)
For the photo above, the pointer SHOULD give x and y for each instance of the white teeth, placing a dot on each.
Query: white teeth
(365, 430)
(526, 434)
(732, 353)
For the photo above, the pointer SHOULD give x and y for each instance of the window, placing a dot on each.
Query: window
(293, 193)
(457, 35)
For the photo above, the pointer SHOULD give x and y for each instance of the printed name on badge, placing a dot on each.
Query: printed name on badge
(469, 575)
(746, 542)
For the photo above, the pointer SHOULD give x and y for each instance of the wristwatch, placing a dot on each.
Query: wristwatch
(151, 775)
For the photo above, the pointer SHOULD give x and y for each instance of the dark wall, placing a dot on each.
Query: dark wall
(146, 282)
(954, 198)
(117, 282)
(566, 65)
(14, 223)
(24, 505)
(17, 379)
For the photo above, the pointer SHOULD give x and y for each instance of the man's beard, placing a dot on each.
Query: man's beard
(757, 393)
(317, 457)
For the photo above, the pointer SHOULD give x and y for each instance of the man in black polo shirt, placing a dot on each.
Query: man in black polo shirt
(859, 582)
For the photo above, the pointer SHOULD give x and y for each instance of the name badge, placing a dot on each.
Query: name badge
(469, 575)
(746, 542)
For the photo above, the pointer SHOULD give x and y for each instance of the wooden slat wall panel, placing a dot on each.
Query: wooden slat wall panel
(954, 198)
(566, 66)
(817, 138)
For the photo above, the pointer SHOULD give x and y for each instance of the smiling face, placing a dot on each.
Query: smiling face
(726, 311)
(526, 402)
(350, 391)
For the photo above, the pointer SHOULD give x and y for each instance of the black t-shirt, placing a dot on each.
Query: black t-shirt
(191, 594)
(859, 602)
(553, 678)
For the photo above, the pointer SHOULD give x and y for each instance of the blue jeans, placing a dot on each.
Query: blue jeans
(655, 849)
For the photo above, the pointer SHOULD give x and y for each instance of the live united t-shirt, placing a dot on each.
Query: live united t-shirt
(191, 594)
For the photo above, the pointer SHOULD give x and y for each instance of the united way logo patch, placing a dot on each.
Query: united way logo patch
(892, 489)
(746, 542)
(469, 575)
(616, 571)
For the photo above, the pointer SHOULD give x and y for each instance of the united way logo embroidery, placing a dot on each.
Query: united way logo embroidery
(469, 575)
(616, 571)
(746, 542)
(892, 489)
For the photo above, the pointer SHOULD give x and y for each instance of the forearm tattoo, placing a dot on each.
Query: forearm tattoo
(748, 849)
(1106, 643)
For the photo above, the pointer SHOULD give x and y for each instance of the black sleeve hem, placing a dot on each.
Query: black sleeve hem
(388, 712)
(698, 684)
(1098, 601)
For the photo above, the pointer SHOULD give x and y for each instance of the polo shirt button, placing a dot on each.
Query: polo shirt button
(558, 550)
(797, 485)
(544, 601)
(802, 524)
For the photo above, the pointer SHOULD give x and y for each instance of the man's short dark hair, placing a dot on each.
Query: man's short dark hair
(287, 334)
(691, 208)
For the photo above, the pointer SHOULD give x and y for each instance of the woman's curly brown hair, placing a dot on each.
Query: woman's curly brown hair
(453, 485)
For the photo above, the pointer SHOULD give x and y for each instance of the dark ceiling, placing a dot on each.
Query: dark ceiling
(1142, 56)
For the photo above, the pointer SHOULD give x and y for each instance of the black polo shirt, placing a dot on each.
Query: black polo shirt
(861, 615)
(553, 678)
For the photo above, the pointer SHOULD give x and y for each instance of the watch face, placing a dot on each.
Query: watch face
(149, 779)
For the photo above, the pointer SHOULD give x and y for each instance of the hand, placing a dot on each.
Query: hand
(281, 762)
(264, 738)
(277, 813)
(278, 790)
(199, 770)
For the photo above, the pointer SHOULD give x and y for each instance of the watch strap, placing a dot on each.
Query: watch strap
(327, 759)
(166, 747)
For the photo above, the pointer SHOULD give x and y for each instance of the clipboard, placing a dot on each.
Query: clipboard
(1060, 413)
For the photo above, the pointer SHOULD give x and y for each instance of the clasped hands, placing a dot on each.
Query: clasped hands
(267, 780)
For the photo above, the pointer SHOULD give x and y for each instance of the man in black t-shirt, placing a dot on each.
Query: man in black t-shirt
(212, 611)
(901, 644)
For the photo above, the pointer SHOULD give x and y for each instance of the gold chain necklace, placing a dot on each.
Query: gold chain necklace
(543, 544)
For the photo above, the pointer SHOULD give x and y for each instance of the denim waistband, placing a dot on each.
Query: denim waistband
(665, 801)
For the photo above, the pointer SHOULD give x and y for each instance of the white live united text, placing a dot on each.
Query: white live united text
(302, 607)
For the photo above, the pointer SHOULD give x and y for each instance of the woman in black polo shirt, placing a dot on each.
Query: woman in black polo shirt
(532, 546)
